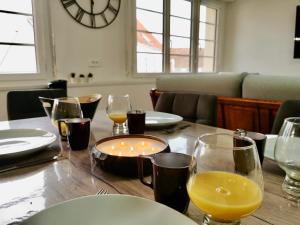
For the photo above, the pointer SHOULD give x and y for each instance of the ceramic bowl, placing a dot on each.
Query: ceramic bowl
(88, 103)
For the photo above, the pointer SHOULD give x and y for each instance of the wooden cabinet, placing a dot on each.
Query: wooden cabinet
(248, 114)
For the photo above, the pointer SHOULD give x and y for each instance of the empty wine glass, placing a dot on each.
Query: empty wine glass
(65, 108)
(287, 155)
(225, 180)
(117, 108)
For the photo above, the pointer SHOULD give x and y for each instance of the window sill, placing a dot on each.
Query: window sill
(113, 83)
(21, 85)
(18, 85)
(158, 75)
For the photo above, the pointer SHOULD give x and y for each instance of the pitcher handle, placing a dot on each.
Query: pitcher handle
(62, 127)
(141, 171)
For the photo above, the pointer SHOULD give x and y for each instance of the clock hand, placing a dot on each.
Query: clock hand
(92, 6)
(93, 23)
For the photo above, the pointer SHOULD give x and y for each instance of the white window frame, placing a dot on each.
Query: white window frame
(131, 41)
(43, 45)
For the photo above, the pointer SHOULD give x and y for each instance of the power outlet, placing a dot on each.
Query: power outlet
(95, 63)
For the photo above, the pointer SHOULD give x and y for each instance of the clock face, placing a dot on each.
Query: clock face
(93, 13)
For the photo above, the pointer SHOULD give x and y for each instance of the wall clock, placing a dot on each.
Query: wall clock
(92, 13)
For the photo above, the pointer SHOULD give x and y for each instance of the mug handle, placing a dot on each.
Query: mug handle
(63, 131)
(141, 160)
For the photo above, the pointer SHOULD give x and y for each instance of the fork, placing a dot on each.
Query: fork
(102, 192)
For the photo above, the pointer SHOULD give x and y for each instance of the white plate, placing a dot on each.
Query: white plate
(270, 145)
(109, 210)
(19, 142)
(159, 119)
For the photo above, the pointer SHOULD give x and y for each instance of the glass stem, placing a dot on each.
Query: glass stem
(120, 128)
(292, 188)
(209, 221)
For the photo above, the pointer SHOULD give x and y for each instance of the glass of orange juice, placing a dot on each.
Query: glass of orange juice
(117, 108)
(225, 181)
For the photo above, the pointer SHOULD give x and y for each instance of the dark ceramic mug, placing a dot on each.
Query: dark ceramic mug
(170, 172)
(136, 121)
(258, 138)
(77, 132)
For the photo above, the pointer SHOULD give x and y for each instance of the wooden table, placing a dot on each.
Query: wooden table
(23, 192)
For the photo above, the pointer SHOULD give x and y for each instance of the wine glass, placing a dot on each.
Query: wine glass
(225, 179)
(117, 108)
(65, 108)
(287, 155)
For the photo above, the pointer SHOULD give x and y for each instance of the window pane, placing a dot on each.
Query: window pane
(179, 64)
(206, 31)
(149, 63)
(181, 8)
(180, 27)
(208, 15)
(24, 6)
(148, 42)
(16, 28)
(205, 64)
(149, 21)
(180, 46)
(17, 59)
(155, 5)
(206, 48)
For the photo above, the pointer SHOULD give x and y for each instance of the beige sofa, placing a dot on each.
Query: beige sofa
(248, 101)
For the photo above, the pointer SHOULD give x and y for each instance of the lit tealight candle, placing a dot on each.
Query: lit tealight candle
(131, 147)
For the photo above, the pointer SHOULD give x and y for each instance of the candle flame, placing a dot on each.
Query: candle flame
(113, 147)
(131, 148)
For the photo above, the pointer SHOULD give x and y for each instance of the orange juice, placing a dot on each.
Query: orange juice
(118, 118)
(224, 196)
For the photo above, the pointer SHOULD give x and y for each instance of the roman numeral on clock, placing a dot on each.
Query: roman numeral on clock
(79, 14)
(93, 21)
(68, 3)
(104, 18)
(112, 8)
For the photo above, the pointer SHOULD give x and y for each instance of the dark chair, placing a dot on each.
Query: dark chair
(58, 84)
(26, 104)
(197, 108)
(289, 108)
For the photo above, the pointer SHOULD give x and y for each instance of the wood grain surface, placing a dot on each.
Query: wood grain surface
(26, 191)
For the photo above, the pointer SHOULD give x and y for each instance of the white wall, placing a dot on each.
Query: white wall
(259, 37)
(75, 45)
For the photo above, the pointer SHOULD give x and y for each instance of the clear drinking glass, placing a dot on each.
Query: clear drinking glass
(225, 180)
(287, 155)
(117, 108)
(65, 108)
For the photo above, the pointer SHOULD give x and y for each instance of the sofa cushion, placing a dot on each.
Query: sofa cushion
(192, 107)
(270, 87)
(229, 84)
(185, 105)
(289, 108)
(165, 102)
(207, 109)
